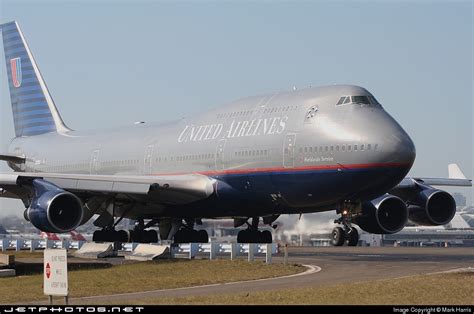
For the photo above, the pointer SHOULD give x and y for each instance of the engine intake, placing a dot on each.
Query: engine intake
(432, 207)
(384, 215)
(54, 210)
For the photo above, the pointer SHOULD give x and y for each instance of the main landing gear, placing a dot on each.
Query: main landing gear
(253, 235)
(138, 234)
(187, 234)
(346, 233)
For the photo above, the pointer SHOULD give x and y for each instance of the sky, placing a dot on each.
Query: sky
(111, 63)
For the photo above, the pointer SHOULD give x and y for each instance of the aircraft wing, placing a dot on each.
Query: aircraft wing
(410, 186)
(171, 189)
(410, 182)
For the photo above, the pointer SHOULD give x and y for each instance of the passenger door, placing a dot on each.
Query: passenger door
(148, 160)
(289, 151)
(94, 162)
(220, 154)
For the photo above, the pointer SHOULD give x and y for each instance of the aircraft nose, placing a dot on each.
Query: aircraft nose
(401, 147)
(407, 150)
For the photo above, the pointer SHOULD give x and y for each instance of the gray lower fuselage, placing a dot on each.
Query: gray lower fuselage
(289, 152)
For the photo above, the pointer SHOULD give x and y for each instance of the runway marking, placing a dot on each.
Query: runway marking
(312, 269)
(455, 270)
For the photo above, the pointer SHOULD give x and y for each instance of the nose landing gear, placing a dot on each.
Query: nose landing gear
(346, 233)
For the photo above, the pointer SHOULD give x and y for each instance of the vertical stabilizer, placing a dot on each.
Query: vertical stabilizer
(455, 172)
(34, 111)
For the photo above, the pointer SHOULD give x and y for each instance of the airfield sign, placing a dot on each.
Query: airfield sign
(55, 272)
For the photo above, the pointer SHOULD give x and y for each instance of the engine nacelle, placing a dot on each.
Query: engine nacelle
(54, 210)
(432, 207)
(384, 215)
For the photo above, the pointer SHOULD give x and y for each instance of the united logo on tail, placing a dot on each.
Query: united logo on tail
(15, 64)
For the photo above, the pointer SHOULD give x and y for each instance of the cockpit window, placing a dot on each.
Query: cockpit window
(373, 100)
(360, 100)
(341, 100)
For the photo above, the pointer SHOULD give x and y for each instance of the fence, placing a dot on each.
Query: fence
(188, 250)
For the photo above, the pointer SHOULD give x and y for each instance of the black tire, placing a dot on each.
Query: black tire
(202, 236)
(151, 236)
(123, 236)
(338, 236)
(97, 236)
(353, 237)
(266, 236)
(243, 236)
(179, 237)
(109, 235)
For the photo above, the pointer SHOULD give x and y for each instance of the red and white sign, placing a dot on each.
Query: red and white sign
(48, 270)
(55, 272)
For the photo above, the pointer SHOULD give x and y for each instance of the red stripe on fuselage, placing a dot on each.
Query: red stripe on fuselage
(296, 169)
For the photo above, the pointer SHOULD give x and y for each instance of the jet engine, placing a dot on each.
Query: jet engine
(432, 207)
(52, 209)
(384, 215)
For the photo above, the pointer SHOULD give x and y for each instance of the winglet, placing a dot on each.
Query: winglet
(455, 172)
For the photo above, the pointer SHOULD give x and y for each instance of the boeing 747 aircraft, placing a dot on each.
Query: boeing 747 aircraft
(304, 151)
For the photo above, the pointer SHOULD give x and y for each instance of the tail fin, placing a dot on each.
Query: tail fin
(455, 172)
(34, 111)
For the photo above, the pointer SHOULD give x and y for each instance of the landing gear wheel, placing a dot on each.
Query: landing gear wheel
(338, 236)
(243, 236)
(353, 237)
(97, 236)
(123, 236)
(110, 236)
(266, 236)
(144, 236)
(185, 235)
(181, 236)
(151, 236)
(202, 236)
